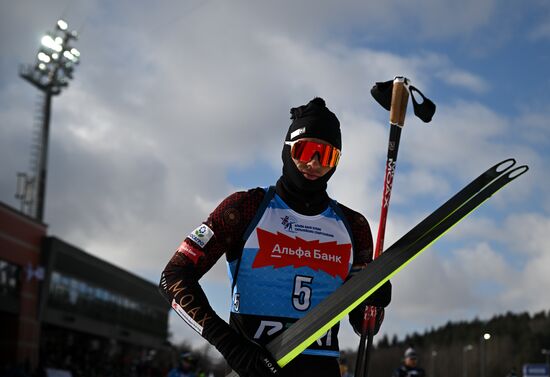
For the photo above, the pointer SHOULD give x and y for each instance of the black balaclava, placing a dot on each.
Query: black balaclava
(313, 120)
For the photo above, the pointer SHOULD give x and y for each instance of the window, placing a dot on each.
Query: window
(81, 297)
(9, 278)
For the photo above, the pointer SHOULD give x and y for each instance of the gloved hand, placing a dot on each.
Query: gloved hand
(366, 317)
(381, 298)
(249, 359)
(245, 357)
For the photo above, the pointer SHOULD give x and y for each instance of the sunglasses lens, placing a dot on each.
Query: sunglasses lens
(298, 151)
(305, 150)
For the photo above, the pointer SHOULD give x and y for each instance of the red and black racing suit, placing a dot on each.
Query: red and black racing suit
(228, 222)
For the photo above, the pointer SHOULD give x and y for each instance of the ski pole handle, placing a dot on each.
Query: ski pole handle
(399, 99)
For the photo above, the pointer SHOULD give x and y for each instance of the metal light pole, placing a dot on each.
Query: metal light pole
(482, 351)
(465, 350)
(51, 72)
(432, 363)
(546, 353)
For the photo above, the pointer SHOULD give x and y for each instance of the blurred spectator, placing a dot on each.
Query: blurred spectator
(343, 362)
(409, 368)
(512, 373)
(186, 366)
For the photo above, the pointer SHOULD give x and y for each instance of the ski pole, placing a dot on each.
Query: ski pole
(398, 110)
(393, 96)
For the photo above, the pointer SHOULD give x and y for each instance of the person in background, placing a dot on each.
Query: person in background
(512, 373)
(344, 370)
(186, 366)
(410, 367)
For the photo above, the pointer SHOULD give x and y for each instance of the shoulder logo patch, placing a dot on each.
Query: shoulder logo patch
(201, 235)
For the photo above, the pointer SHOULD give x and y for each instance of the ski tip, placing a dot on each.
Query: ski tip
(516, 172)
(504, 165)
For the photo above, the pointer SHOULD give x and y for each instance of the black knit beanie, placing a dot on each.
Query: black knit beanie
(314, 120)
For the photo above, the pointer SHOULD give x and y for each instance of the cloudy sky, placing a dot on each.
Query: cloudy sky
(176, 104)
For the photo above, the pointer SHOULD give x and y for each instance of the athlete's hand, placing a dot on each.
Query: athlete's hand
(380, 298)
(371, 312)
(249, 359)
(245, 357)
(366, 318)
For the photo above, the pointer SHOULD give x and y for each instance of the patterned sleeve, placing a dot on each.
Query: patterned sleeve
(362, 236)
(221, 233)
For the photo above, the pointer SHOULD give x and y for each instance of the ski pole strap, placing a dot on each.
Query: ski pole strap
(424, 110)
(382, 93)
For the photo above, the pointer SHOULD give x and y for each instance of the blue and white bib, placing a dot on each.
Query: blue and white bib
(289, 264)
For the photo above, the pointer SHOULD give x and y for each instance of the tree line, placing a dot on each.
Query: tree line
(459, 349)
(455, 349)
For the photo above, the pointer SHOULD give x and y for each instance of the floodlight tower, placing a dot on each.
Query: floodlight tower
(50, 73)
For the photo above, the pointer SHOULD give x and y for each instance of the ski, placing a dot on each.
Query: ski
(321, 318)
(451, 205)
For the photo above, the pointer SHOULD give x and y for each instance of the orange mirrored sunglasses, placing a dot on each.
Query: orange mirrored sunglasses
(305, 150)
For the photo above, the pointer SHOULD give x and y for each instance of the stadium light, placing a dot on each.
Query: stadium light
(482, 351)
(54, 66)
(62, 25)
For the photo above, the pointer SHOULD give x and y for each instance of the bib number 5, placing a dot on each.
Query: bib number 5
(301, 296)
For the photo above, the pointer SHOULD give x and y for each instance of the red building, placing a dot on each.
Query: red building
(21, 240)
(63, 308)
